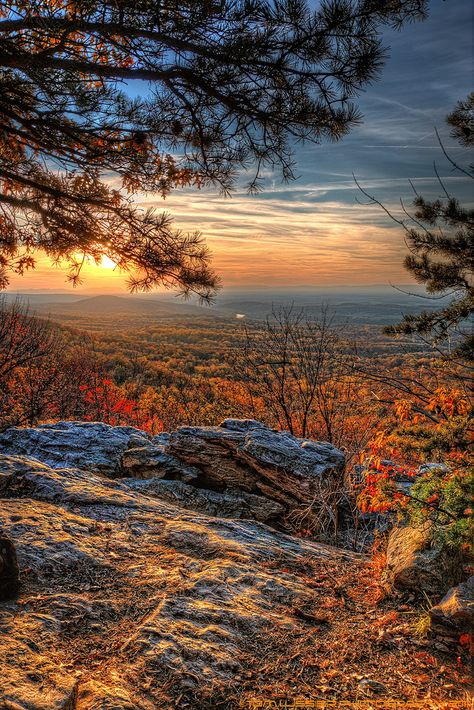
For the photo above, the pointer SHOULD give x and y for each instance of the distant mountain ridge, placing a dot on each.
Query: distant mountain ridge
(360, 307)
(113, 305)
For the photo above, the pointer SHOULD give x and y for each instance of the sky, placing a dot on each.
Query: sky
(314, 232)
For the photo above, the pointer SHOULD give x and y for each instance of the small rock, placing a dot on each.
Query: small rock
(454, 615)
(372, 686)
(427, 467)
(9, 572)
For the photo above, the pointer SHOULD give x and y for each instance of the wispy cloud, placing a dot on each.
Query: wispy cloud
(313, 231)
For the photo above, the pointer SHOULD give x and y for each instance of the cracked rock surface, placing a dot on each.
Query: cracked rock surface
(127, 601)
(240, 469)
(136, 593)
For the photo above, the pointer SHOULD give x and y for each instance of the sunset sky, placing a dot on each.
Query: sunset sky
(313, 232)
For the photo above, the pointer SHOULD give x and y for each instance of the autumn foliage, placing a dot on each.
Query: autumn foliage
(390, 413)
(441, 491)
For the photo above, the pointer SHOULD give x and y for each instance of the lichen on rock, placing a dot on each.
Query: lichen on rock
(131, 602)
(239, 469)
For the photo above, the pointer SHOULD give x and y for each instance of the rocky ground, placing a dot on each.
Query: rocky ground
(129, 601)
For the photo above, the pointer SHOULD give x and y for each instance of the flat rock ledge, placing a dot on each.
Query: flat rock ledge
(128, 602)
(240, 469)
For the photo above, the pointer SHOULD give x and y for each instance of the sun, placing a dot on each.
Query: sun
(107, 263)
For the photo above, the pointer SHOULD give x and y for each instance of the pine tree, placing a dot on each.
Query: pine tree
(219, 85)
(440, 237)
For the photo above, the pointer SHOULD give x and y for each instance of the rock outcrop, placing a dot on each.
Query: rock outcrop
(129, 602)
(91, 446)
(417, 563)
(231, 504)
(241, 469)
(247, 455)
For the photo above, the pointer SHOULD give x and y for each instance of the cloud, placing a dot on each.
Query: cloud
(313, 231)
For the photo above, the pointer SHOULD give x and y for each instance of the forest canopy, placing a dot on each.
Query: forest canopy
(100, 101)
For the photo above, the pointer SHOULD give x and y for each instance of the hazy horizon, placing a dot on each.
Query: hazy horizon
(407, 289)
(376, 304)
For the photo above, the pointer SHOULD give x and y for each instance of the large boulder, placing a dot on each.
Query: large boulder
(246, 455)
(92, 446)
(238, 469)
(418, 563)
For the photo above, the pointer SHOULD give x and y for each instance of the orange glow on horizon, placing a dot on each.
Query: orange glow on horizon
(269, 243)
